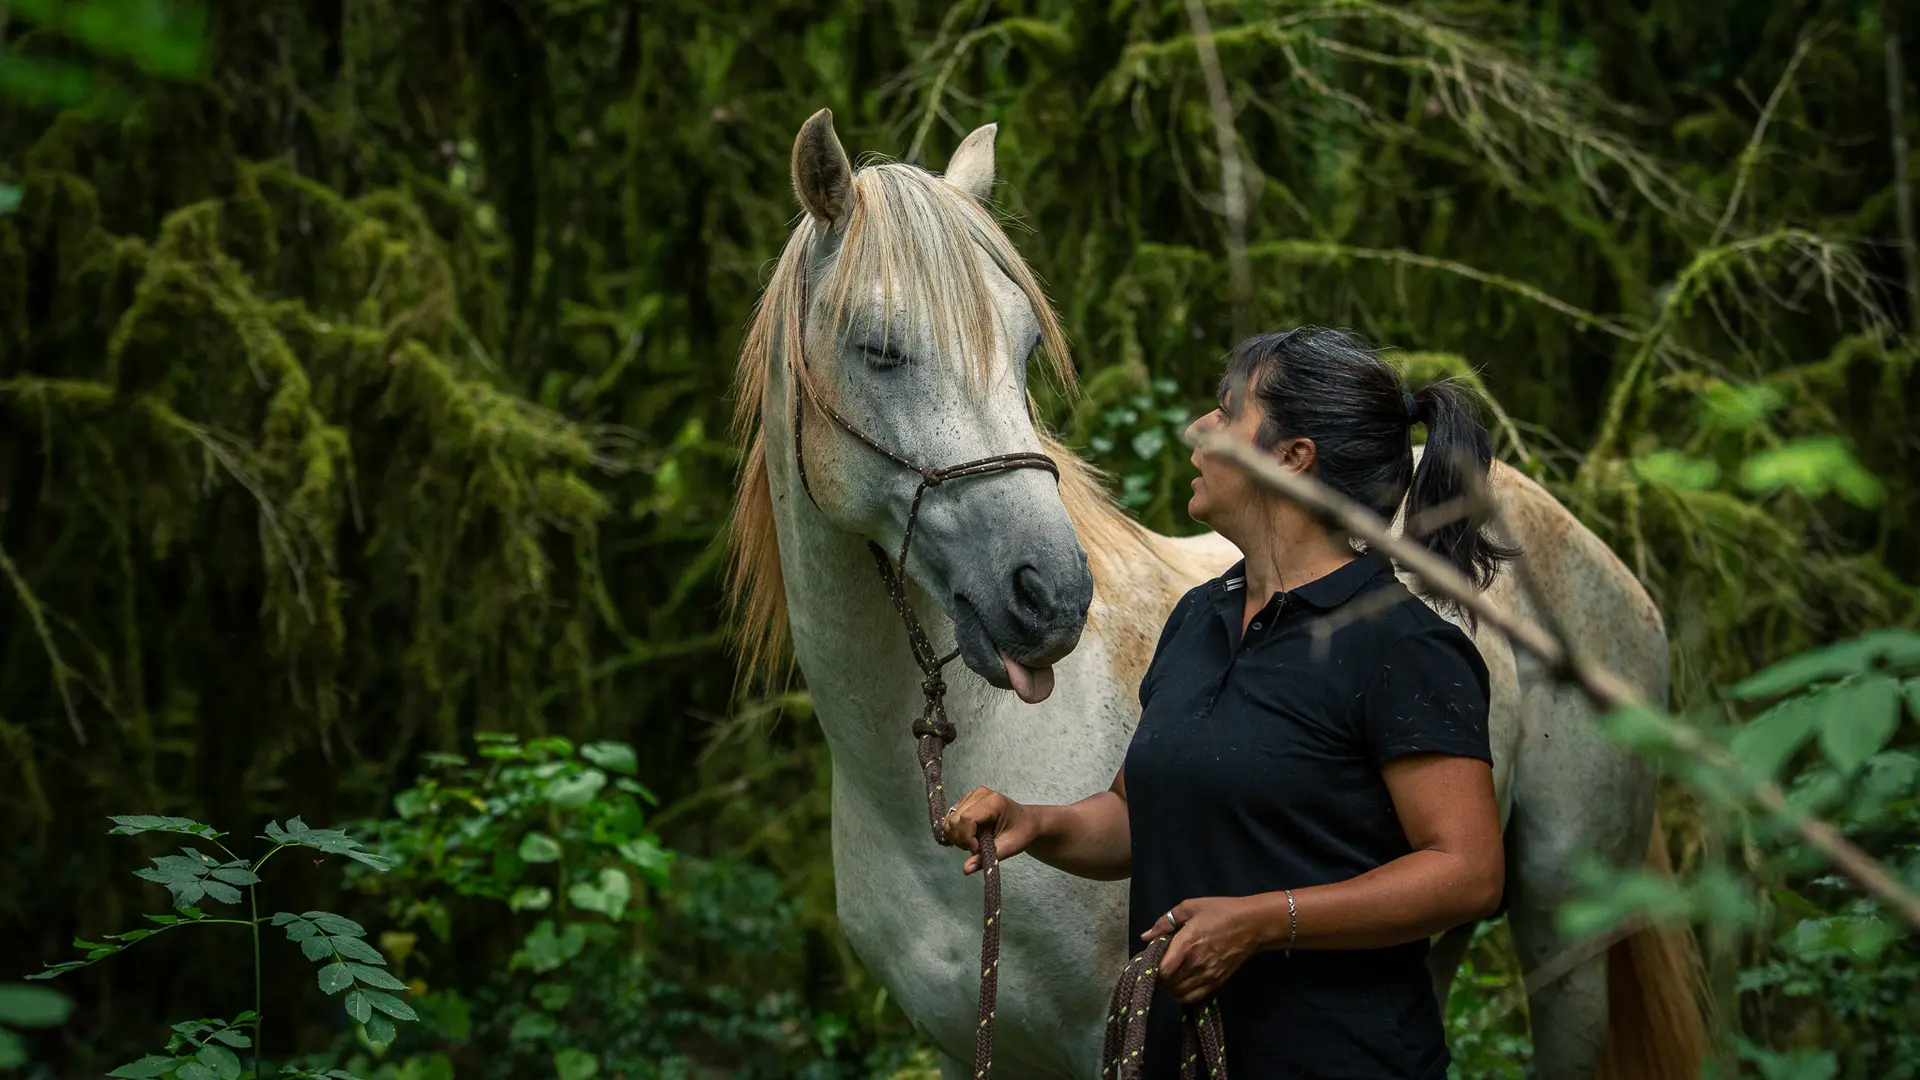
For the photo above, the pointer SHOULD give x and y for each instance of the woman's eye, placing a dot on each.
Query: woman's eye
(882, 354)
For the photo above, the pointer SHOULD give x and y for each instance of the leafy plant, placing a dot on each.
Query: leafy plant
(205, 1049)
(24, 1006)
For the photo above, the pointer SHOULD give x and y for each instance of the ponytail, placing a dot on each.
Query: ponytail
(1456, 442)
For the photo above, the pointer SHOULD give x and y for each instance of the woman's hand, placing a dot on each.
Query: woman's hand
(1214, 937)
(1014, 825)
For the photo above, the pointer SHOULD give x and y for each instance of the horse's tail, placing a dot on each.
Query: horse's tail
(1656, 983)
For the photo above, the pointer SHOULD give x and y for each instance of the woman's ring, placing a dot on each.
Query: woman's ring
(1172, 922)
(952, 810)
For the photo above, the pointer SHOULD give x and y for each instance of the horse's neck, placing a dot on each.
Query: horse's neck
(846, 636)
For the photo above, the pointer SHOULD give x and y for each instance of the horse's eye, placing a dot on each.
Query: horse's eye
(882, 353)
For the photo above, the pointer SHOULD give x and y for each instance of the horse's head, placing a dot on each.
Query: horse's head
(917, 320)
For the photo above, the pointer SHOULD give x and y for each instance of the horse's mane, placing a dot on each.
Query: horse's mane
(911, 239)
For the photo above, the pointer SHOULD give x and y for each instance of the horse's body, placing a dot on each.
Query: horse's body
(909, 914)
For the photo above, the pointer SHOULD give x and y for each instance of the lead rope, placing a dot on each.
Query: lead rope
(1203, 1041)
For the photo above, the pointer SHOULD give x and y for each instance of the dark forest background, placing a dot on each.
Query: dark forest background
(364, 379)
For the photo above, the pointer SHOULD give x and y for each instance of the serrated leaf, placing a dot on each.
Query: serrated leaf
(221, 891)
(135, 824)
(236, 875)
(335, 924)
(317, 947)
(381, 863)
(380, 1030)
(334, 978)
(357, 1005)
(1895, 649)
(612, 756)
(221, 1060)
(355, 949)
(1765, 743)
(299, 929)
(1857, 718)
(32, 1006)
(282, 918)
(373, 976)
(147, 1067)
(391, 1005)
(539, 848)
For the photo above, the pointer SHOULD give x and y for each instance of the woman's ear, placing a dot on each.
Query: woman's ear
(1300, 455)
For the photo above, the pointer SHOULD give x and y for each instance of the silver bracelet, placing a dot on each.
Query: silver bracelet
(1293, 922)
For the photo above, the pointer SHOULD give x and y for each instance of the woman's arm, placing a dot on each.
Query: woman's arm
(1090, 838)
(1454, 875)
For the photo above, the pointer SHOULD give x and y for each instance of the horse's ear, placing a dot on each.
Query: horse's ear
(822, 176)
(971, 169)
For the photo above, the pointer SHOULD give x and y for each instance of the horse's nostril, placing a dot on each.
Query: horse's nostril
(1030, 590)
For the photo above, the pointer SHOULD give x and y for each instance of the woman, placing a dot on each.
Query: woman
(1309, 794)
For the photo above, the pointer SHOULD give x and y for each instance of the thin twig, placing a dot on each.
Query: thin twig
(1751, 155)
(1233, 189)
(1562, 664)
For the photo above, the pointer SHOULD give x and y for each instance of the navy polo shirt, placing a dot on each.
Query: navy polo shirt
(1256, 768)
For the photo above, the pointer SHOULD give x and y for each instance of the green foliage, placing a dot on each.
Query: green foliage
(204, 1049)
(24, 1006)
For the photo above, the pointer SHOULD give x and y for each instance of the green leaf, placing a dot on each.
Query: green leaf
(330, 841)
(545, 949)
(612, 756)
(609, 896)
(318, 947)
(9, 202)
(135, 824)
(380, 1030)
(1737, 407)
(233, 1038)
(1857, 718)
(576, 790)
(391, 1005)
(530, 898)
(1813, 466)
(357, 1005)
(1765, 743)
(355, 949)
(335, 978)
(573, 1063)
(221, 1060)
(221, 891)
(147, 1067)
(32, 1006)
(1911, 688)
(653, 860)
(13, 1051)
(532, 1025)
(236, 873)
(539, 848)
(1676, 471)
(335, 924)
(1148, 444)
(1896, 649)
(553, 996)
(373, 976)
(193, 1070)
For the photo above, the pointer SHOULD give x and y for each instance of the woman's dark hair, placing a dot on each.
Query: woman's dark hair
(1331, 386)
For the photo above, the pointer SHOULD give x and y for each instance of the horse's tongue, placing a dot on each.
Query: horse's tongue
(1032, 684)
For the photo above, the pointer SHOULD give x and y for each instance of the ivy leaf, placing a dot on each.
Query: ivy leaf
(147, 1067)
(391, 1005)
(1148, 444)
(380, 1030)
(652, 860)
(611, 756)
(358, 1006)
(530, 898)
(373, 976)
(576, 790)
(135, 824)
(1856, 720)
(539, 848)
(544, 949)
(32, 1006)
(609, 897)
(335, 978)
(1898, 649)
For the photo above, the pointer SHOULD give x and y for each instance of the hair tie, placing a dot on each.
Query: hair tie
(1412, 407)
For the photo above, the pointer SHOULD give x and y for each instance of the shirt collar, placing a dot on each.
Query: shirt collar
(1326, 592)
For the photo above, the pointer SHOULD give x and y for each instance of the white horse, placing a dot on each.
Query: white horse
(915, 318)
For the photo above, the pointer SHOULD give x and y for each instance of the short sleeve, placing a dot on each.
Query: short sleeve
(1429, 697)
(1174, 622)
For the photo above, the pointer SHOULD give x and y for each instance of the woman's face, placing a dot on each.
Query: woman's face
(1224, 497)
